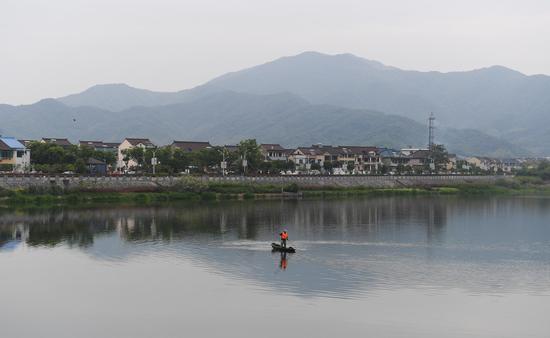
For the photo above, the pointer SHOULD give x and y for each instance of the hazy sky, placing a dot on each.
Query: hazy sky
(50, 48)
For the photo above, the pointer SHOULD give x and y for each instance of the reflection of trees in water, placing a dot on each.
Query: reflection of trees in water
(380, 218)
(372, 219)
(243, 220)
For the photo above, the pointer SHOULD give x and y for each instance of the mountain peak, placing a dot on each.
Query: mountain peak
(111, 96)
(497, 70)
(49, 102)
(110, 85)
(346, 58)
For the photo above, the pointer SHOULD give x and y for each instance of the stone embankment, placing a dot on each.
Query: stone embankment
(130, 183)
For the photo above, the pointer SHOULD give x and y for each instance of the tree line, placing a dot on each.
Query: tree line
(51, 158)
(246, 157)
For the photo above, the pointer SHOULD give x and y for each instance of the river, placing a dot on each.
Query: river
(415, 266)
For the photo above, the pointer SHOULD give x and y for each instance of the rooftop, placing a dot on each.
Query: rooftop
(271, 146)
(99, 144)
(135, 141)
(10, 143)
(63, 142)
(191, 145)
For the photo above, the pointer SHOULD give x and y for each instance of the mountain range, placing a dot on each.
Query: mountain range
(312, 98)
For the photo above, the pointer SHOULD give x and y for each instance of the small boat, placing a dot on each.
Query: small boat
(279, 247)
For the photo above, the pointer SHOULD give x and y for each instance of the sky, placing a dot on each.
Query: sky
(52, 48)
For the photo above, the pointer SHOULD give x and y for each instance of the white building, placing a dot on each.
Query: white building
(130, 143)
(14, 154)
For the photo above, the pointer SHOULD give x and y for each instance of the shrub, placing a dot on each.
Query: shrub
(6, 167)
(190, 184)
(208, 196)
(6, 192)
(511, 184)
(248, 196)
(293, 187)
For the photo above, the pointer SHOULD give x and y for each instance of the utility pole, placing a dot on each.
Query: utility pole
(431, 129)
(245, 163)
(154, 161)
(431, 136)
(223, 164)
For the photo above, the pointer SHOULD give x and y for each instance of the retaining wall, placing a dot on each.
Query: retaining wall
(129, 183)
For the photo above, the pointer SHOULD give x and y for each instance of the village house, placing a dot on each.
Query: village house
(361, 159)
(111, 147)
(26, 143)
(14, 156)
(409, 159)
(495, 165)
(230, 148)
(419, 159)
(390, 158)
(365, 159)
(510, 165)
(62, 142)
(130, 143)
(330, 153)
(274, 152)
(408, 151)
(451, 165)
(96, 167)
(191, 146)
(304, 157)
(483, 163)
(346, 157)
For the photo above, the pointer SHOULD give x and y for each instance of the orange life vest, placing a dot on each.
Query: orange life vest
(284, 235)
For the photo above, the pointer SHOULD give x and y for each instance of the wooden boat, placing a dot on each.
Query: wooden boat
(279, 247)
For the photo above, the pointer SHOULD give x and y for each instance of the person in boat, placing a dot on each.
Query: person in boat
(284, 238)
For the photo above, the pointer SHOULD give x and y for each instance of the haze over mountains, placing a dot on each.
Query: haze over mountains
(312, 98)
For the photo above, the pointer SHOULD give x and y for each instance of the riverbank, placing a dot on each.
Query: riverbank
(155, 183)
(197, 190)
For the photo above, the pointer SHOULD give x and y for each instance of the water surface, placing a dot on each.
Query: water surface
(380, 267)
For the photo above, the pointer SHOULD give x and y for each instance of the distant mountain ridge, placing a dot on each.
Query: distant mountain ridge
(495, 100)
(227, 117)
(120, 96)
(487, 106)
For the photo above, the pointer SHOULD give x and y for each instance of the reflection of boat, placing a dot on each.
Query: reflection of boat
(278, 247)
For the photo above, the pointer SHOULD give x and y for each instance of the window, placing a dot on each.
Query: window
(20, 153)
(5, 154)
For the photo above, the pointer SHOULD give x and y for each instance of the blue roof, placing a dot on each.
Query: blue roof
(12, 142)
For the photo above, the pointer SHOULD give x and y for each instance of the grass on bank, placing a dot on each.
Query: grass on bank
(190, 189)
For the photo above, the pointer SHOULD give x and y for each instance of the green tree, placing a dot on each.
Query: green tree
(80, 166)
(541, 170)
(350, 166)
(249, 150)
(136, 154)
(328, 165)
(207, 158)
(51, 158)
(440, 157)
(315, 166)
(180, 160)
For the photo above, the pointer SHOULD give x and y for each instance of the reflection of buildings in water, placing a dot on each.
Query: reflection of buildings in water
(384, 218)
(368, 217)
(242, 220)
(15, 233)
